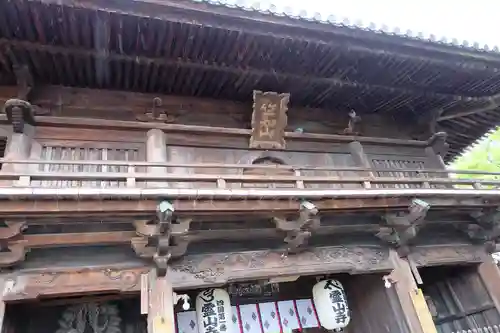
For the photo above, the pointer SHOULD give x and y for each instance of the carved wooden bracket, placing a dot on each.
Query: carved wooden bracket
(400, 228)
(161, 239)
(156, 114)
(297, 232)
(353, 125)
(438, 143)
(19, 113)
(11, 251)
(486, 230)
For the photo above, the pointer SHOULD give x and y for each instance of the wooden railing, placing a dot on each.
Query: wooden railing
(488, 329)
(229, 179)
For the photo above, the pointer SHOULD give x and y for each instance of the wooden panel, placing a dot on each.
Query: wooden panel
(52, 150)
(399, 162)
(182, 154)
(375, 309)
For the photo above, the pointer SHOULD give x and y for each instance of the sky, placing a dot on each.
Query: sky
(474, 21)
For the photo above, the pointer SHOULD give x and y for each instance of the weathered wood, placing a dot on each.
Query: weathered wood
(130, 125)
(156, 151)
(198, 271)
(490, 275)
(225, 207)
(425, 256)
(161, 304)
(406, 288)
(77, 239)
(269, 120)
(18, 148)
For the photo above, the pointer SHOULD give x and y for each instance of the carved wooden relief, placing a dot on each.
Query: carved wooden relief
(269, 120)
(204, 270)
(447, 255)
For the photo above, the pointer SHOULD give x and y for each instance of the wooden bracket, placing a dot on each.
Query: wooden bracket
(19, 113)
(157, 113)
(486, 229)
(353, 125)
(401, 228)
(297, 232)
(438, 143)
(161, 239)
(12, 253)
(12, 250)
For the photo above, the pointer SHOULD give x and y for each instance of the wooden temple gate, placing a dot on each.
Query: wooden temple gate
(146, 161)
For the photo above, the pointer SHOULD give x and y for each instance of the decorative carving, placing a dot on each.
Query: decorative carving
(486, 230)
(223, 268)
(297, 232)
(353, 124)
(269, 120)
(84, 281)
(19, 113)
(204, 270)
(12, 253)
(10, 229)
(156, 113)
(246, 290)
(438, 143)
(90, 317)
(401, 228)
(449, 254)
(161, 238)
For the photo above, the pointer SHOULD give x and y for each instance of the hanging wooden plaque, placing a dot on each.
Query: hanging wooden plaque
(269, 120)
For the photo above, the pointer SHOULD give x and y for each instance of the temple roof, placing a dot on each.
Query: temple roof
(226, 50)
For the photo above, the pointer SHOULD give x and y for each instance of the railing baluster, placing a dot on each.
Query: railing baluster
(131, 176)
(299, 183)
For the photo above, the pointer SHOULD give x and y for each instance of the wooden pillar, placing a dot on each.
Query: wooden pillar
(416, 312)
(160, 304)
(360, 159)
(490, 275)
(156, 151)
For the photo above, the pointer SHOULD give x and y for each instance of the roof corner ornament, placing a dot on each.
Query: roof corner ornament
(486, 229)
(298, 231)
(162, 238)
(401, 228)
(353, 125)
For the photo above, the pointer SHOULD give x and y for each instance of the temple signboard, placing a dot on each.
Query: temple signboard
(269, 120)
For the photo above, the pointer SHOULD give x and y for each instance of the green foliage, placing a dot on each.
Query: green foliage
(485, 156)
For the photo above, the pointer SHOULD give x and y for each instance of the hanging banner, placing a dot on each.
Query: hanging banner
(331, 304)
(213, 311)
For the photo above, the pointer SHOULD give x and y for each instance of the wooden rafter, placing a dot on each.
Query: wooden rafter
(263, 24)
(110, 56)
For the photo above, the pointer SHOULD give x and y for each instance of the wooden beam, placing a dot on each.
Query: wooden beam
(407, 291)
(69, 122)
(198, 271)
(77, 239)
(119, 208)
